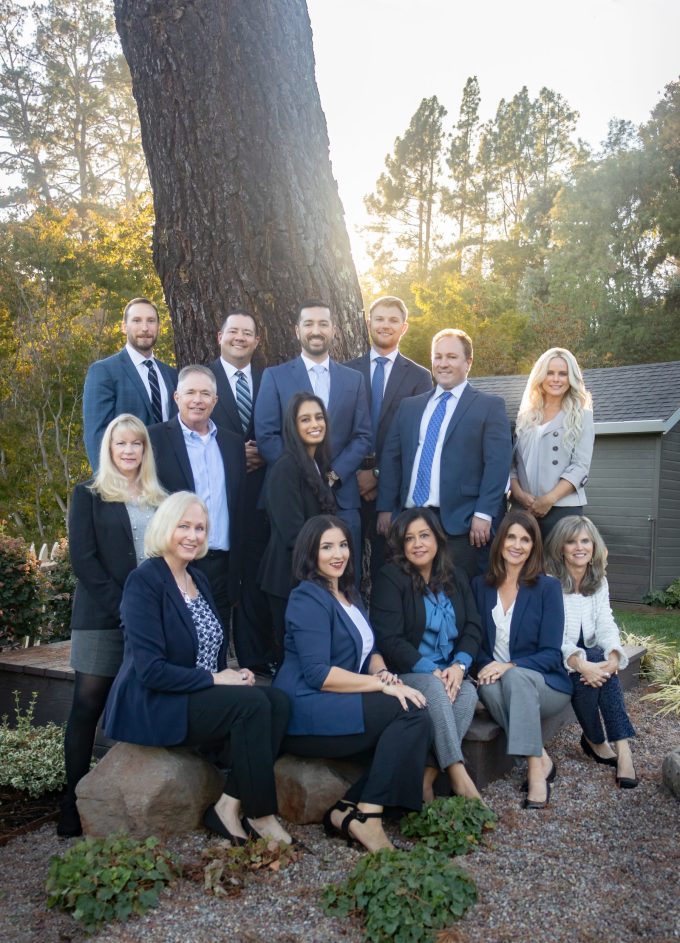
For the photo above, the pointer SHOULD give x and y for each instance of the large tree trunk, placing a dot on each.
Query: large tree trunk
(247, 210)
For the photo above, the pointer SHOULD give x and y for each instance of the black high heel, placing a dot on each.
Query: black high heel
(532, 804)
(550, 778)
(588, 750)
(331, 830)
(626, 782)
(356, 815)
(214, 823)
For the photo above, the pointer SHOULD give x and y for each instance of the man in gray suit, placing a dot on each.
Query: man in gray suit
(131, 381)
(389, 377)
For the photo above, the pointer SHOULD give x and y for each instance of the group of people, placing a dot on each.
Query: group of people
(231, 496)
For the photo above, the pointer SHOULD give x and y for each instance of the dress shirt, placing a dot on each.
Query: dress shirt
(363, 628)
(231, 372)
(502, 620)
(138, 360)
(387, 367)
(433, 497)
(309, 367)
(210, 481)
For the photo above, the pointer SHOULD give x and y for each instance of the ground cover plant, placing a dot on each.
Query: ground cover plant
(224, 869)
(31, 758)
(454, 825)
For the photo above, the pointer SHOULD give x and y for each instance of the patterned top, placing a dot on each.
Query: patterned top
(208, 630)
(140, 515)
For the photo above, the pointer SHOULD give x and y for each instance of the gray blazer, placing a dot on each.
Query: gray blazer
(556, 462)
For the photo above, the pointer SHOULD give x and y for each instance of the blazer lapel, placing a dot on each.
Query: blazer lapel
(134, 378)
(353, 632)
(181, 607)
(121, 516)
(225, 397)
(300, 376)
(467, 397)
(393, 383)
(178, 446)
(336, 386)
(521, 603)
(490, 597)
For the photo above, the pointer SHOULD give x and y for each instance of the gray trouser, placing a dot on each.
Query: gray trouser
(450, 722)
(517, 703)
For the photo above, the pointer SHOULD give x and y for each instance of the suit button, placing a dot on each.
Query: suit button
(555, 462)
(555, 433)
(556, 448)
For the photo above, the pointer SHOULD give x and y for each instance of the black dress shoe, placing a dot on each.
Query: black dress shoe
(550, 778)
(532, 804)
(588, 750)
(214, 823)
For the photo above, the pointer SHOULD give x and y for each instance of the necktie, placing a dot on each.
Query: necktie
(244, 401)
(321, 383)
(421, 491)
(156, 402)
(377, 390)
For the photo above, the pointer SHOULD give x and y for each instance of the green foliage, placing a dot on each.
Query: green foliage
(224, 868)
(666, 678)
(669, 598)
(21, 600)
(454, 825)
(103, 879)
(31, 758)
(658, 652)
(59, 586)
(402, 896)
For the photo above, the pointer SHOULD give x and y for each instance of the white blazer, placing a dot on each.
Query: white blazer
(594, 615)
(556, 462)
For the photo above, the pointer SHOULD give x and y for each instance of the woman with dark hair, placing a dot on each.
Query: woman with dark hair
(428, 629)
(344, 700)
(296, 489)
(519, 668)
(592, 650)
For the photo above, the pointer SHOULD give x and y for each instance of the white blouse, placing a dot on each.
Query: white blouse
(502, 620)
(593, 614)
(364, 630)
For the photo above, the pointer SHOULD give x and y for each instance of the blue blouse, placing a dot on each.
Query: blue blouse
(440, 633)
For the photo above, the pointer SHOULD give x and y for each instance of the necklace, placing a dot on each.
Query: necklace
(185, 592)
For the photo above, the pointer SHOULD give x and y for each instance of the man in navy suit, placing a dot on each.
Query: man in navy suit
(449, 450)
(389, 378)
(131, 381)
(193, 454)
(343, 392)
(238, 386)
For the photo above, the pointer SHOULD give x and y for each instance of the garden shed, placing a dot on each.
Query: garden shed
(634, 487)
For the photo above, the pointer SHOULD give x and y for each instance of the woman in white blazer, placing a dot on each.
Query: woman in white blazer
(591, 648)
(554, 440)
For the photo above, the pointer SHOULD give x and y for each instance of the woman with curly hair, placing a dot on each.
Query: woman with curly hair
(554, 440)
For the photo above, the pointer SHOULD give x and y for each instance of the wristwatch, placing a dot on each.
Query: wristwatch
(459, 664)
(376, 472)
(332, 477)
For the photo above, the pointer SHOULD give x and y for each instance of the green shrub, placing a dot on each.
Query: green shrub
(669, 597)
(402, 896)
(59, 584)
(31, 758)
(103, 879)
(666, 676)
(453, 826)
(659, 652)
(21, 598)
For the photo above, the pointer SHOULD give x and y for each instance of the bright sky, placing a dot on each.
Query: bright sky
(376, 60)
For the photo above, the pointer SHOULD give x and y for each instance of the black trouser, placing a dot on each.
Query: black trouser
(369, 531)
(396, 743)
(246, 725)
(215, 567)
(253, 634)
(277, 609)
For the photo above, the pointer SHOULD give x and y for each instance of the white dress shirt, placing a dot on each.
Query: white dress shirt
(433, 497)
(138, 360)
(502, 620)
(310, 366)
(231, 372)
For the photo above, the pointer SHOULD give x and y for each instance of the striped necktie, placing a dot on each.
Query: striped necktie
(377, 391)
(421, 492)
(156, 401)
(244, 402)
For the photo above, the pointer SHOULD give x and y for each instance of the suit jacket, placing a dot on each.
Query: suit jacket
(475, 460)
(406, 378)
(174, 473)
(536, 628)
(398, 618)
(102, 556)
(556, 461)
(148, 702)
(289, 502)
(225, 414)
(319, 635)
(114, 386)
(350, 422)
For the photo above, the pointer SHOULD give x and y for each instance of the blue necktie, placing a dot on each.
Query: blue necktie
(377, 390)
(244, 402)
(421, 492)
(156, 402)
(322, 384)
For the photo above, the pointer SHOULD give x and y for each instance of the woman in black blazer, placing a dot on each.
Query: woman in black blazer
(107, 520)
(174, 687)
(428, 629)
(296, 489)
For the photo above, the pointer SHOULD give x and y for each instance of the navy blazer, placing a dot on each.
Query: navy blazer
(175, 474)
(475, 461)
(319, 636)
(114, 386)
(536, 628)
(148, 702)
(350, 422)
(407, 378)
(102, 554)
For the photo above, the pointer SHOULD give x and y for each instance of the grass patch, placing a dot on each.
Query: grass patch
(663, 625)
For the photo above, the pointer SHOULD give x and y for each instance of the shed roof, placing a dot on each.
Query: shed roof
(637, 398)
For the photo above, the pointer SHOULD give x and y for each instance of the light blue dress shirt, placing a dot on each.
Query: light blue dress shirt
(210, 481)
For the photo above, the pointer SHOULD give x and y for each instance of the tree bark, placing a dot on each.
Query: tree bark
(247, 210)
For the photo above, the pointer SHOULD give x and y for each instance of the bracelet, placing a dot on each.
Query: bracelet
(380, 671)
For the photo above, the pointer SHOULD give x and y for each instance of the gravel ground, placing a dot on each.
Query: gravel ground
(598, 865)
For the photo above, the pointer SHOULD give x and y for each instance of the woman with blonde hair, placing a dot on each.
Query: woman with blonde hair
(108, 517)
(554, 440)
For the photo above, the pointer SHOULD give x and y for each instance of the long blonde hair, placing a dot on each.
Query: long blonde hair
(108, 482)
(575, 400)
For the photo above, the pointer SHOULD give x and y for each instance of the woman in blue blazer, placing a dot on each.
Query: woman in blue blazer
(519, 667)
(174, 687)
(337, 683)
